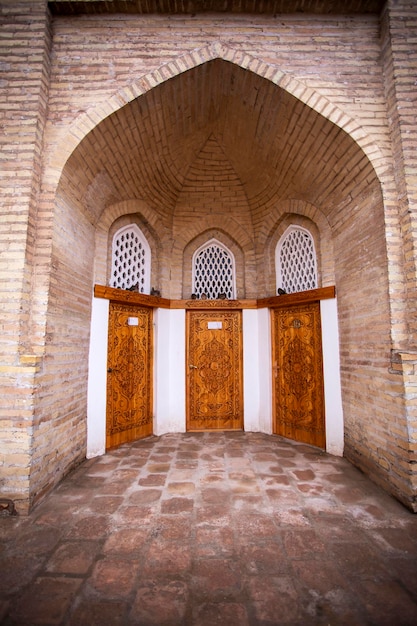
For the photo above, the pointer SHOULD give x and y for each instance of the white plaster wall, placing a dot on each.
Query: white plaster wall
(332, 386)
(97, 378)
(257, 371)
(251, 379)
(169, 385)
(265, 371)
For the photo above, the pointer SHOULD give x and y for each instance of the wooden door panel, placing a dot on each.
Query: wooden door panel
(298, 374)
(129, 378)
(214, 370)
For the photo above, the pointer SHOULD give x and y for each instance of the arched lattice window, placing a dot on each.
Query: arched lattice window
(295, 259)
(213, 272)
(131, 259)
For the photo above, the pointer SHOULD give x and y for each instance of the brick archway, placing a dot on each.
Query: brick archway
(316, 101)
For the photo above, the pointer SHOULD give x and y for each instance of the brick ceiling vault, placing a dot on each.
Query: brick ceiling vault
(278, 147)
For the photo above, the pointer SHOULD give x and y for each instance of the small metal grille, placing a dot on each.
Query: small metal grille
(213, 273)
(130, 259)
(296, 262)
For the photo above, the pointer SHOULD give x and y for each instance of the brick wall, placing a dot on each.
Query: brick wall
(25, 46)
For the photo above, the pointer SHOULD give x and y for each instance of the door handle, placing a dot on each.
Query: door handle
(110, 370)
(193, 367)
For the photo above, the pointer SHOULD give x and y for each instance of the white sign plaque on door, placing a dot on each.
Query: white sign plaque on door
(133, 321)
(214, 325)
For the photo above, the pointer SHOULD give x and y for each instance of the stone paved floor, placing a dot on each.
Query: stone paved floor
(211, 528)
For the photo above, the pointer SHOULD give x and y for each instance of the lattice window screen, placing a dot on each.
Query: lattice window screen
(131, 259)
(296, 266)
(213, 272)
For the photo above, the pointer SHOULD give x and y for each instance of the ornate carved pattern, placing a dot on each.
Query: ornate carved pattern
(213, 304)
(129, 382)
(215, 366)
(299, 380)
(214, 387)
(297, 369)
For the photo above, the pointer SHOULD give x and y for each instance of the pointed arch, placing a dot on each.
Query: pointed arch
(311, 97)
(307, 216)
(213, 271)
(295, 260)
(131, 259)
(113, 218)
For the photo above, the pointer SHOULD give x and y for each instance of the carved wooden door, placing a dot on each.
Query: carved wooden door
(214, 370)
(298, 374)
(129, 377)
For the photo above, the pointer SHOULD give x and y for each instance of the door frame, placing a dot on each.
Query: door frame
(215, 312)
(318, 379)
(129, 311)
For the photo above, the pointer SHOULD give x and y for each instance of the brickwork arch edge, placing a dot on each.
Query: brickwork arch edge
(309, 96)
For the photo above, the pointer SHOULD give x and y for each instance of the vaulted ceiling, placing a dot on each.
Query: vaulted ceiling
(278, 147)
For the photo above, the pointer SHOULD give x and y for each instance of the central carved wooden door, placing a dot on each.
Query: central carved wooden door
(129, 374)
(214, 370)
(298, 374)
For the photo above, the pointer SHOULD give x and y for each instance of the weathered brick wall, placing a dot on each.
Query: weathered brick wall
(399, 57)
(100, 63)
(24, 52)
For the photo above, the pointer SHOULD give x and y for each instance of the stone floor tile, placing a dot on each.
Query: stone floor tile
(72, 557)
(17, 571)
(143, 497)
(114, 577)
(175, 506)
(397, 606)
(181, 488)
(127, 541)
(291, 517)
(335, 608)
(92, 612)
(221, 613)
(216, 578)
(158, 468)
(37, 540)
(167, 558)
(132, 516)
(89, 527)
(160, 602)
(45, 601)
(257, 525)
(214, 541)
(303, 544)
(319, 577)
(262, 559)
(105, 504)
(153, 480)
(214, 514)
(172, 527)
(359, 561)
(274, 599)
